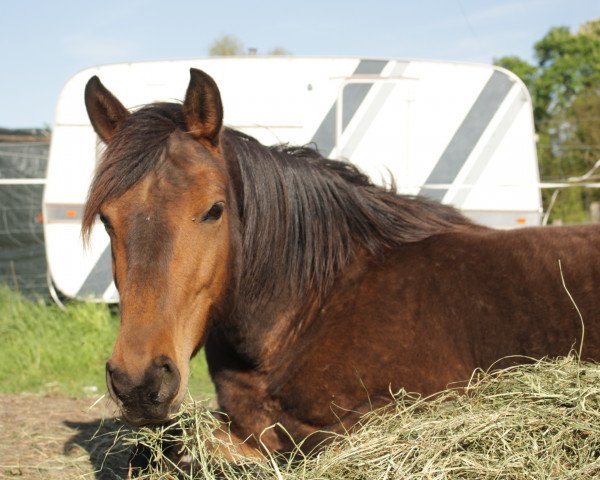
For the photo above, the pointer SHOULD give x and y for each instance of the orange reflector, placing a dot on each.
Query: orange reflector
(71, 213)
(39, 218)
(521, 220)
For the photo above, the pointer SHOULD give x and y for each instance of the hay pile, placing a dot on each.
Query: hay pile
(540, 420)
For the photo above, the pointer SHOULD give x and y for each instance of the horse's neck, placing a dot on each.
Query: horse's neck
(257, 335)
(261, 336)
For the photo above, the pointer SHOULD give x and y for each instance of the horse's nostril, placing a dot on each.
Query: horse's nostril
(153, 397)
(166, 367)
(114, 388)
(166, 375)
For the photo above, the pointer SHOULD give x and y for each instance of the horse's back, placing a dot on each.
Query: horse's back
(430, 312)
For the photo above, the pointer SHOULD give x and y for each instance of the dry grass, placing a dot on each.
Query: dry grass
(540, 420)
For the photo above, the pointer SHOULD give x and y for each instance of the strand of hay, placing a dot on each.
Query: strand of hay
(540, 420)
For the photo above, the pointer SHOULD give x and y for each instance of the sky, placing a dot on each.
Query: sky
(45, 42)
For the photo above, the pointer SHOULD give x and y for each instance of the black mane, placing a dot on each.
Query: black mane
(304, 216)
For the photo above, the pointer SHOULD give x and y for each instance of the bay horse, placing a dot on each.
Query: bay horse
(314, 292)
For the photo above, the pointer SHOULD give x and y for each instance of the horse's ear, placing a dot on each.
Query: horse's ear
(202, 107)
(105, 111)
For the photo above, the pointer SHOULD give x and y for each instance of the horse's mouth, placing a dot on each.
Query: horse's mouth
(138, 421)
(158, 415)
(144, 414)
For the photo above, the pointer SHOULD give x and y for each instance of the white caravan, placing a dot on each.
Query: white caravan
(460, 133)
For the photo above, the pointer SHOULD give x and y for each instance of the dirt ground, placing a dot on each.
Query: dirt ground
(50, 437)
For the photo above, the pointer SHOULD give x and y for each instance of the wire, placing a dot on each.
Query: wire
(470, 27)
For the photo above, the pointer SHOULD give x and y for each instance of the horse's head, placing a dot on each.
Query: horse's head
(161, 192)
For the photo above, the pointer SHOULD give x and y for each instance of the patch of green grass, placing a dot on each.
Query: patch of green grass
(48, 350)
(200, 384)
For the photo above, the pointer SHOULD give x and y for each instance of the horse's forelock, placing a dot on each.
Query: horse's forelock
(133, 152)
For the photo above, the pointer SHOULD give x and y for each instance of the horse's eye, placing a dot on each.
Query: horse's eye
(106, 222)
(215, 212)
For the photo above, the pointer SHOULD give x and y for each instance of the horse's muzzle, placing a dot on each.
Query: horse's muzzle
(149, 401)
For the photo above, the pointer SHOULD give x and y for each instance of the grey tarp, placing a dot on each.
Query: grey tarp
(22, 254)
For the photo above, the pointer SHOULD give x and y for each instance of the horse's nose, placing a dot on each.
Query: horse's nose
(148, 400)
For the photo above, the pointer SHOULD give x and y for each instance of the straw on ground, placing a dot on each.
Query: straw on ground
(540, 420)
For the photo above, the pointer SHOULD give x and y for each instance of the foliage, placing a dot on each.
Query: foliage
(49, 350)
(585, 114)
(225, 46)
(279, 51)
(568, 65)
(229, 45)
(525, 71)
(529, 421)
(565, 88)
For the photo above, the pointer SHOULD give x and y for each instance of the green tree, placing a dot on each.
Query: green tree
(279, 51)
(229, 45)
(568, 64)
(226, 45)
(524, 70)
(565, 88)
